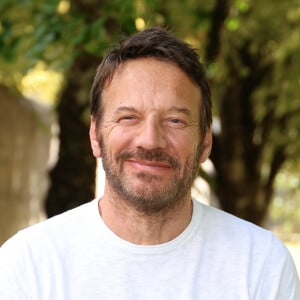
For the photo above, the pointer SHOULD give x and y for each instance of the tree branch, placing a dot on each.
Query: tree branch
(278, 159)
(220, 13)
(287, 116)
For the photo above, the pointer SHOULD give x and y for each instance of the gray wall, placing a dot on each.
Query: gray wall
(25, 135)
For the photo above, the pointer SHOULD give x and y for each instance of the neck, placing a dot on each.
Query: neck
(144, 229)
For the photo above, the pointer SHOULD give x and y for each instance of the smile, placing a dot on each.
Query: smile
(150, 166)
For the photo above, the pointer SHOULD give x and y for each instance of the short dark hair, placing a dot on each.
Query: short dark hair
(157, 43)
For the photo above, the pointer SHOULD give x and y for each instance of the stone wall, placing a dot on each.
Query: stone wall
(25, 137)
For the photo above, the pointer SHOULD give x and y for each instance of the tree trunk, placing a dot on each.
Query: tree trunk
(73, 177)
(237, 156)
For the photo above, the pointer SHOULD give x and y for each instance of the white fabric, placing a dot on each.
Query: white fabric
(75, 256)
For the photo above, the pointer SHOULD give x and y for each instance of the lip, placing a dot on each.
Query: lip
(150, 166)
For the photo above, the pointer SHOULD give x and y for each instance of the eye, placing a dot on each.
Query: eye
(128, 120)
(176, 122)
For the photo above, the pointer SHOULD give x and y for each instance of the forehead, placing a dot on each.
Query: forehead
(149, 82)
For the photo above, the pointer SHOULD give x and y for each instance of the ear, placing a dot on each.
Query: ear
(93, 139)
(206, 146)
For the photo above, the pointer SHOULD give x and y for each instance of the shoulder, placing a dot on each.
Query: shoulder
(54, 230)
(221, 221)
(257, 251)
(239, 235)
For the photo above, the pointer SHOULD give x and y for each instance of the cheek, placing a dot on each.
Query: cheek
(185, 143)
(115, 139)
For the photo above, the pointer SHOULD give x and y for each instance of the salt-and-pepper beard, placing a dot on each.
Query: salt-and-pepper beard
(145, 199)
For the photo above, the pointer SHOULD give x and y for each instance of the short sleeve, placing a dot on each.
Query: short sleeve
(13, 273)
(278, 279)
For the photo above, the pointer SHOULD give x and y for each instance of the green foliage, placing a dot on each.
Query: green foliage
(269, 34)
(285, 210)
(255, 43)
(33, 31)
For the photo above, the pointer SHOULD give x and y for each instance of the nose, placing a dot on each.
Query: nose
(151, 135)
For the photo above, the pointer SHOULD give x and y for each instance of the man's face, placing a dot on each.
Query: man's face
(149, 135)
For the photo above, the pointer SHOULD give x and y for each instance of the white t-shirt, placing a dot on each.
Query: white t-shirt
(75, 256)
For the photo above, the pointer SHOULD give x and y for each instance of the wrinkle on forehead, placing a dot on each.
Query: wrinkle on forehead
(155, 80)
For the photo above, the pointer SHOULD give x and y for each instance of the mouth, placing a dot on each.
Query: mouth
(154, 161)
(149, 166)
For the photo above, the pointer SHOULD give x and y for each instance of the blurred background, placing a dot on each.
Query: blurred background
(49, 52)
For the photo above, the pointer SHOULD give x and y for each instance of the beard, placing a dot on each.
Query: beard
(152, 195)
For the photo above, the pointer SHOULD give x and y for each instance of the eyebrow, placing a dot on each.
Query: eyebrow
(176, 109)
(125, 109)
(182, 110)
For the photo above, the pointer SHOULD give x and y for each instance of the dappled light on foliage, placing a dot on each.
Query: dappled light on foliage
(251, 51)
(41, 84)
(63, 7)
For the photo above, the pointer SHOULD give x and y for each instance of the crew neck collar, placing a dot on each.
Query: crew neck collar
(124, 245)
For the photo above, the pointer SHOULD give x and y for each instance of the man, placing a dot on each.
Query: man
(146, 238)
